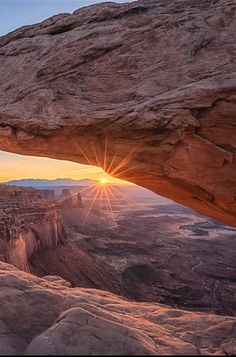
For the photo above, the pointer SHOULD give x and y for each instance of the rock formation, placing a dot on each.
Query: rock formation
(66, 199)
(35, 313)
(145, 90)
(47, 194)
(69, 200)
(28, 223)
(33, 238)
(79, 202)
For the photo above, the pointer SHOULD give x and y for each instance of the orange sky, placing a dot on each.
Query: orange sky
(14, 167)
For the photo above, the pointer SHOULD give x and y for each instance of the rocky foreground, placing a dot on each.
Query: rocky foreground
(46, 317)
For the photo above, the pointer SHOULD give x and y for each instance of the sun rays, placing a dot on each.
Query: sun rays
(106, 197)
(108, 156)
(105, 164)
(105, 193)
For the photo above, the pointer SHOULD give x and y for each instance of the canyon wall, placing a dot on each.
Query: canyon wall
(28, 223)
(145, 90)
(34, 238)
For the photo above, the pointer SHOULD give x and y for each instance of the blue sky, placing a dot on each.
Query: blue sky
(14, 14)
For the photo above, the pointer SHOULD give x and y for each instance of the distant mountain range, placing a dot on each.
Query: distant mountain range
(48, 183)
(129, 191)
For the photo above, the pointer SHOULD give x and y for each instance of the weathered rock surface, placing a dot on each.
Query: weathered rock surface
(146, 90)
(28, 223)
(36, 313)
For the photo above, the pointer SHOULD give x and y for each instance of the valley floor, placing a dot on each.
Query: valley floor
(150, 252)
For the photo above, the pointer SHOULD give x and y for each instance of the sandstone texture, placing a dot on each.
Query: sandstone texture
(42, 317)
(28, 223)
(145, 90)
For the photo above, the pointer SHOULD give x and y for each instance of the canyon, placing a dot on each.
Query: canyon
(150, 85)
(146, 91)
(33, 226)
(154, 250)
(147, 283)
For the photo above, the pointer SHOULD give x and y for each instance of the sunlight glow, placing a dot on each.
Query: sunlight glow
(16, 167)
(103, 181)
(106, 195)
(107, 175)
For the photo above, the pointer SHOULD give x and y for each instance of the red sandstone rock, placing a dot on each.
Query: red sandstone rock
(146, 90)
(39, 317)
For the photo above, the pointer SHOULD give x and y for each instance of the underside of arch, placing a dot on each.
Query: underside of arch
(145, 90)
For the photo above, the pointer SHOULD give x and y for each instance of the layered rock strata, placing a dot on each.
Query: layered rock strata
(28, 223)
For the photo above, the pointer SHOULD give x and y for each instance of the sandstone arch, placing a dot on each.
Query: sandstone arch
(146, 90)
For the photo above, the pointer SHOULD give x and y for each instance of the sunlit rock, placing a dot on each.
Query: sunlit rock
(39, 317)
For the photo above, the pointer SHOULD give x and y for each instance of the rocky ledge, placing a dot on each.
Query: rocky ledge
(35, 313)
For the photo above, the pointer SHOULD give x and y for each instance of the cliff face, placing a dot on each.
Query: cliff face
(27, 223)
(31, 236)
(145, 90)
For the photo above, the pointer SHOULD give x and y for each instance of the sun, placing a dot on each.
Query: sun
(103, 181)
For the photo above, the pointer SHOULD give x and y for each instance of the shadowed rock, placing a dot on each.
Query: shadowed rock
(145, 90)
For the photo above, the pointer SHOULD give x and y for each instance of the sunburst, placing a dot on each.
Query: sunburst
(103, 182)
(104, 192)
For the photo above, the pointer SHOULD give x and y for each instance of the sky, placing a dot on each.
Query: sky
(14, 14)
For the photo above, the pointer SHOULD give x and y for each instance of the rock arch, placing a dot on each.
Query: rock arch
(146, 90)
